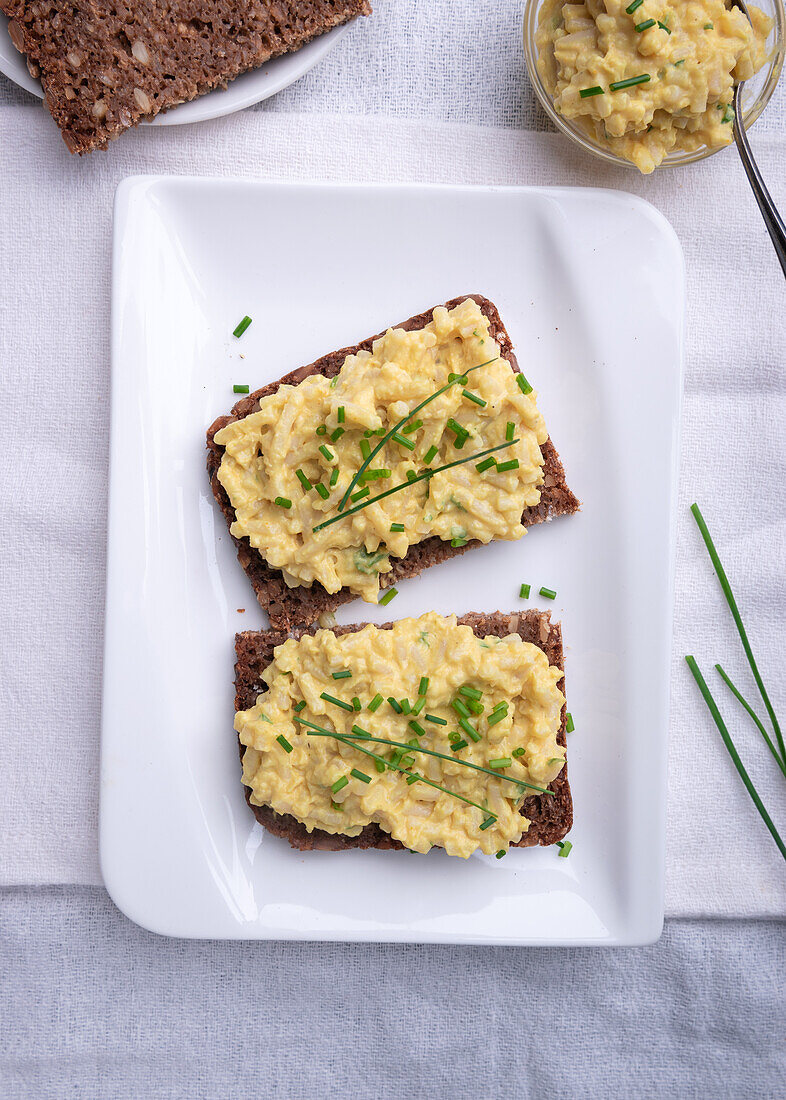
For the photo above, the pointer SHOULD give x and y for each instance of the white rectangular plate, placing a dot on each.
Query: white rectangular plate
(590, 286)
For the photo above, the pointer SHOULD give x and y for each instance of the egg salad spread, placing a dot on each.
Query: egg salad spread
(335, 739)
(287, 467)
(648, 77)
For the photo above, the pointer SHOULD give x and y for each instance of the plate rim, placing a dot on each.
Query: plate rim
(647, 930)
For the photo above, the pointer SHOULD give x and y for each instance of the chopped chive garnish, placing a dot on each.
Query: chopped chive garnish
(242, 326)
(486, 464)
(356, 703)
(523, 384)
(326, 451)
(510, 430)
(475, 706)
(423, 685)
(411, 475)
(239, 389)
(340, 784)
(340, 414)
(321, 430)
(375, 703)
(430, 454)
(470, 692)
(402, 441)
(632, 7)
(457, 429)
(663, 27)
(359, 495)
(502, 852)
(569, 727)
(299, 706)
(417, 728)
(401, 423)
(456, 746)
(462, 378)
(356, 774)
(680, 62)
(548, 593)
(360, 732)
(500, 762)
(405, 707)
(524, 591)
(412, 779)
(393, 764)
(303, 479)
(565, 848)
(376, 475)
(585, 93)
(518, 752)
(336, 434)
(284, 743)
(456, 543)
(460, 708)
(283, 502)
(503, 467)
(420, 703)
(365, 448)
(501, 705)
(496, 716)
(333, 477)
(433, 718)
(728, 114)
(394, 704)
(336, 702)
(380, 765)
(639, 27)
(707, 26)
(413, 427)
(397, 527)
(631, 82)
(337, 806)
(345, 674)
(323, 491)
(489, 821)
(470, 396)
(389, 595)
(469, 729)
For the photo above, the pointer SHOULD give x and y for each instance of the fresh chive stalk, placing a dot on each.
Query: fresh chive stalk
(587, 93)
(759, 724)
(631, 82)
(730, 600)
(718, 720)
(336, 702)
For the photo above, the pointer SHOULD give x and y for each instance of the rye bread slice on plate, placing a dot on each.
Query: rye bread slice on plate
(288, 607)
(105, 67)
(551, 816)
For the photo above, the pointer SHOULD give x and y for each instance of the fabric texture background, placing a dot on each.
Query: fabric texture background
(435, 91)
(122, 1013)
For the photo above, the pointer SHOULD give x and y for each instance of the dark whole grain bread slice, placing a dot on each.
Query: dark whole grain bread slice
(106, 65)
(551, 816)
(292, 607)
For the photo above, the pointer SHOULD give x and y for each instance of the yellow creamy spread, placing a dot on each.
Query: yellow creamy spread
(320, 427)
(314, 781)
(692, 52)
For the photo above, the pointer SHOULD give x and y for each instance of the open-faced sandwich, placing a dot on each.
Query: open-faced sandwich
(427, 732)
(379, 460)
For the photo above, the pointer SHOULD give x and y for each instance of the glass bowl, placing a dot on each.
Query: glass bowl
(756, 92)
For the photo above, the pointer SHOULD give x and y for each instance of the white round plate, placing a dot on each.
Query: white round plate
(251, 87)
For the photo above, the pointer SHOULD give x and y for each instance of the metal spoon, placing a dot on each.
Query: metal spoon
(769, 211)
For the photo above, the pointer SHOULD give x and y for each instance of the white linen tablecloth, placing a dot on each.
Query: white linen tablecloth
(55, 236)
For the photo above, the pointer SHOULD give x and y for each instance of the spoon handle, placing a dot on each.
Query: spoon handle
(769, 211)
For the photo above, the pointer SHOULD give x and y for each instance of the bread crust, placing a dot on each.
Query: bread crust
(551, 816)
(288, 607)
